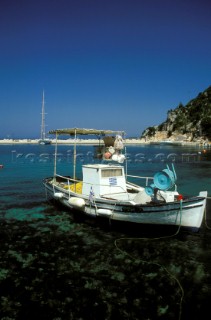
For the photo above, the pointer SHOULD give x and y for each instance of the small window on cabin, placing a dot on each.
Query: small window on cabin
(111, 173)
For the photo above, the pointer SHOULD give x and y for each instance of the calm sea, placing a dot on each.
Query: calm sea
(56, 266)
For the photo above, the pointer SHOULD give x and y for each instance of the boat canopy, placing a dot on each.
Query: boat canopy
(82, 131)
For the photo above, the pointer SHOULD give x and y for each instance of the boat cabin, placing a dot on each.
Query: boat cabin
(104, 180)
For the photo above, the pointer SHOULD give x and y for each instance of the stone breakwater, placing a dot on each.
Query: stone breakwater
(96, 142)
(68, 141)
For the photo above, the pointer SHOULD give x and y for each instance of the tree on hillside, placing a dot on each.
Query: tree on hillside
(206, 127)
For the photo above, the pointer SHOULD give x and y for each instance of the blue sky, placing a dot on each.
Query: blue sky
(104, 64)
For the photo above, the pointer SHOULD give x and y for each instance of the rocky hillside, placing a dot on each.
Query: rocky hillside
(191, 122)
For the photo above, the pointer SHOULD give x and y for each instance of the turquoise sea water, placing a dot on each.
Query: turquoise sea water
(54, 266)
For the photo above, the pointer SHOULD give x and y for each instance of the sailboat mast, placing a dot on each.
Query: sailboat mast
(43, 117)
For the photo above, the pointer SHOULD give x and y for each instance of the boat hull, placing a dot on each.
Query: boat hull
(44, 142)
(187, 213)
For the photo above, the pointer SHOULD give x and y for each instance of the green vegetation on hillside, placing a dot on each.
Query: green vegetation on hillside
(193, 119)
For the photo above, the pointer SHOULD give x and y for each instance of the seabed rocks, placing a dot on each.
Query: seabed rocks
(59, 268)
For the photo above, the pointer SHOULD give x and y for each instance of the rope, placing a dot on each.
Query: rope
(155, 263)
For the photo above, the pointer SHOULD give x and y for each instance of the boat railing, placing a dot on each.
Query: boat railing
(139, 177)
(66, 182)
(71, 180)
(64, 178)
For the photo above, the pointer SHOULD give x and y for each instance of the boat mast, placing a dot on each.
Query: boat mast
(43, 117)
(55, 155)
(74, 157)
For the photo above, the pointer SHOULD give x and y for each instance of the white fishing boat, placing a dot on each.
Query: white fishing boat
(106, 189)
(43, 140)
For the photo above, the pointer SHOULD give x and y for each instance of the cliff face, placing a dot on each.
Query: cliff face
(191, 122)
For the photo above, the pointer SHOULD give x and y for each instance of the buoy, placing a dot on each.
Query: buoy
(111, 150)
(104, 212)
(118, 157)
(77, 202)
(107, 155)
(58, 195)
(179, 197)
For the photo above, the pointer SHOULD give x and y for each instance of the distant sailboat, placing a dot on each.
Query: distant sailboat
(43, 140)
